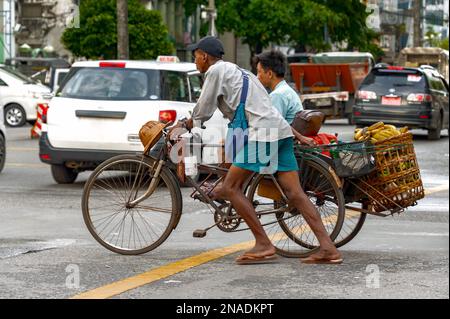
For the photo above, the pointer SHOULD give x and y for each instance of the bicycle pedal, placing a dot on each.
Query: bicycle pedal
(200, 198)
(199, 233)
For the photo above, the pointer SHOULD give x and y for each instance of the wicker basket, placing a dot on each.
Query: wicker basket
(396, 182)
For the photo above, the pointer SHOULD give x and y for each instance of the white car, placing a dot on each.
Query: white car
(99, 109)
(2, 142)
(19, 97)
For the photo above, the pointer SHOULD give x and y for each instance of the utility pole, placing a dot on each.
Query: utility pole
(417, 13)
(122, 30)
(212, 18)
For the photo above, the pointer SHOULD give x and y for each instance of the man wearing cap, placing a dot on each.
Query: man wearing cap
(243, 100)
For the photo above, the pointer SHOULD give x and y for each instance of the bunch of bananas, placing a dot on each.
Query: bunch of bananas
(378, 132)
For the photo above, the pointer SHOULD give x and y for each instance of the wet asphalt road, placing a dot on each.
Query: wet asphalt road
(43, 242)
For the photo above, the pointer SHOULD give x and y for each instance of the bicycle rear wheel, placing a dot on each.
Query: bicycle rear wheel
(353, 223)
(288, 231)
(115, 223)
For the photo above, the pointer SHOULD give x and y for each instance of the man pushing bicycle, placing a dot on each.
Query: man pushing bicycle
(259, 140)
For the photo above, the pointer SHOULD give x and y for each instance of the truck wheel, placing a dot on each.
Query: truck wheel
(63, 175)
(2, 152)
(15, 115)
(435, 134)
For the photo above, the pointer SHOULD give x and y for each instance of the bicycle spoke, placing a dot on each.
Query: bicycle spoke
(109, 194)
(156, 209)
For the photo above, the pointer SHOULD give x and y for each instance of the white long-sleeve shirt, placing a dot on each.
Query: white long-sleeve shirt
(222, 89)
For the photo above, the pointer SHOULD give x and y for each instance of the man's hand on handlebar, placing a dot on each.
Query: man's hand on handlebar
(303, 140)
(178, 129)
(181, 127)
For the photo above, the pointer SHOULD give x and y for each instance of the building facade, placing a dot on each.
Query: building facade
(396, 21)
(30, 26)
(7, 29)
(185, 30)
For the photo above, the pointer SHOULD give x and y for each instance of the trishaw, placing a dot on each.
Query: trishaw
(132, 203)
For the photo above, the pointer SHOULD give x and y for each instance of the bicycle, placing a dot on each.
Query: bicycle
(132, 203)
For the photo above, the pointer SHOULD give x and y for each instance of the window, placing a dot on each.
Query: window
(17, 75)
(196, 82)
(176, 87)
(112, 84)
(61, 76)
(436, 84)
(3, 83)
(381, 82)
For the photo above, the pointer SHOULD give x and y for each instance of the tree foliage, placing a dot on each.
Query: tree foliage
(444, 44)
(303, 23)
(432, 37)
(97, 36)
(257, 22)
(190, 6)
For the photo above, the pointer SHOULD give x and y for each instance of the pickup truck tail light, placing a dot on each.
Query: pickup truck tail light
(167, 116)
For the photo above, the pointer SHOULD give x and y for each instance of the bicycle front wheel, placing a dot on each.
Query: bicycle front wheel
(111, 217)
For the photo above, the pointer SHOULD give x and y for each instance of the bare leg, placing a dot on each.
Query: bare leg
(231, 190)
(290, 183)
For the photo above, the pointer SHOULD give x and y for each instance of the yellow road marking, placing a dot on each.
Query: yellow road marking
(161, 272)
(25, 165)
(165, 271)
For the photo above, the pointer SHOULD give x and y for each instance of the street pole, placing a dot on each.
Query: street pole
(212, 17)
(122, 30)
(417, 10)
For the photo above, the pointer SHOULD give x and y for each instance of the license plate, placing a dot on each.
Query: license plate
(323, 102)
(391, 100)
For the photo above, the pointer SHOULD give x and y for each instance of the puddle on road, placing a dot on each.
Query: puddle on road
(15, 247)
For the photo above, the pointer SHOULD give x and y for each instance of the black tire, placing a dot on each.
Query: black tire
(15, 115)
(110, 188)
(435, 134)
(63, 175)
(353, 223)
(297, 241)
(316, 180)
(2, 152)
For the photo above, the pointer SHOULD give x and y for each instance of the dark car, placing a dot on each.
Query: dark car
(413, 97)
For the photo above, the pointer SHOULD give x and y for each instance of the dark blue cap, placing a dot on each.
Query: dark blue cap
(210, 45)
